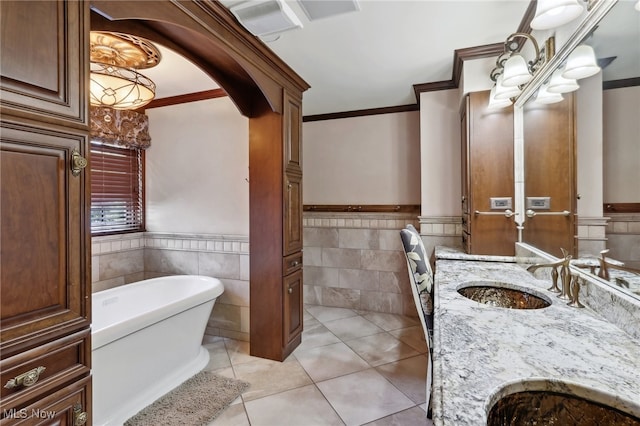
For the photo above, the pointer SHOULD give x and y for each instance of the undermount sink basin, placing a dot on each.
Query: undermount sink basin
(503, 296)
(544, 408)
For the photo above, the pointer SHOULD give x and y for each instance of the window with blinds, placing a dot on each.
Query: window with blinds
(117, 203)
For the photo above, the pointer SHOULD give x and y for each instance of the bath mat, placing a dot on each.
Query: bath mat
(197, 401)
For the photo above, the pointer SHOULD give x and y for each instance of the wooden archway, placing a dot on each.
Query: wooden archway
(269, 93)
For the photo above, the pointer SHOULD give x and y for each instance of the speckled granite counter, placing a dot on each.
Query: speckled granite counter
(482, 353)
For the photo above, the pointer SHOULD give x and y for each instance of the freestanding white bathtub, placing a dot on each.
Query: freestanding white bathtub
(146, 340)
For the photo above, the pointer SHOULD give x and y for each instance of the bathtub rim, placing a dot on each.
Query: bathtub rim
(115, 331)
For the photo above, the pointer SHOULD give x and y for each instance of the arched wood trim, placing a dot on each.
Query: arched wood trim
(207, 34)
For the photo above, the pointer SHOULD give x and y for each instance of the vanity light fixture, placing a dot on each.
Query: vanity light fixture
(115, 81)
(497, 103)
(555, 13)
(638, 6)
(546, 97)
(560, 84)
(505, 92)
(581, 63)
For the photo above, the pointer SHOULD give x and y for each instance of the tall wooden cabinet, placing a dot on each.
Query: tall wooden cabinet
(276, 187)
(487, 177)
(550, 174)
(45, 347)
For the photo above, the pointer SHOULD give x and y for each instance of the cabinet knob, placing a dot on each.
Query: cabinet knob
(78, 162)
(79, 416)
(25, 379)
(295, 263)
(290, 290)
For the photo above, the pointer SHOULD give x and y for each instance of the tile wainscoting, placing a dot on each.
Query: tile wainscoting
(126, 258)
(356, 261)
(623, 238)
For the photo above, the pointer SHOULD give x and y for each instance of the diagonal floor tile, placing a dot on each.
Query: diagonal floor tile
(326, 313)
(270, 377)
(389, 322)
(233, 415)
(412, 336)
(413, 417)
(302, 406)
(352, 328)
(326, 362)
(316, 335)
(363, 397)
(381, 348)
(409, 376)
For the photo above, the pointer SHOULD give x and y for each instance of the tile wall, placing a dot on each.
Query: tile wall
(126, 258)
(623, 238)
(356, 261)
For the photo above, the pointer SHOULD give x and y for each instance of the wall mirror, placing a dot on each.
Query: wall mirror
(612, 28)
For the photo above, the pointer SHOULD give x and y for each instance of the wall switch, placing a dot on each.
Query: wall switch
(538, 203)
(500, 203)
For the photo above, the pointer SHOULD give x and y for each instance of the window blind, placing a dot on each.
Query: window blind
(116, 189)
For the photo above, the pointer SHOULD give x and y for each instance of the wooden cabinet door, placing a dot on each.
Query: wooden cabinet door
(292, 214)
(292, 122)
(549, 171)
(43, 233)
(293, 312)
(44, 55)
(490, 174)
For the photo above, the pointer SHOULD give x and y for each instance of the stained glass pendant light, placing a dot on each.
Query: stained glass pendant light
(115, 81)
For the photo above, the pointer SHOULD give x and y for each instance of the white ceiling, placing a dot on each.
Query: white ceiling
(370, 58)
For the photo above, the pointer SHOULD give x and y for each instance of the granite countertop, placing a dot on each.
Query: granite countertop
(482, 352)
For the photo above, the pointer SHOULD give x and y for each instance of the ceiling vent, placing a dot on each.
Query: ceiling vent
(318, 9)
(266, 17)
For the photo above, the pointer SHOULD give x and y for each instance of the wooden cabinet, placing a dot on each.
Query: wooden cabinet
(487, 177)
(275, 174)
(550, 172)
(45, 352)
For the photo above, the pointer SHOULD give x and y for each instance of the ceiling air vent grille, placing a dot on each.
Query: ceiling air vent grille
(266, 17)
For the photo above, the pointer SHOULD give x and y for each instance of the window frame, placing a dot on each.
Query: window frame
(140, 226)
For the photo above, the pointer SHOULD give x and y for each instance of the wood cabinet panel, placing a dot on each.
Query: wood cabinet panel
(549, 171)
(43, 237)
(487, 173)
(44, 55)
(293, 312)
(64, 360)
(292, 113)
(293, 214)
(68, 406)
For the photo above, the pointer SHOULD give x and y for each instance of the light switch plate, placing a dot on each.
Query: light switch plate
(538, 203)
(500, 203)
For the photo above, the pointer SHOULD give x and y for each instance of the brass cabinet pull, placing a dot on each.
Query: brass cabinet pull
(25, 379)
(290, 290)
(295, 263)
(79, 416)
(78, 162)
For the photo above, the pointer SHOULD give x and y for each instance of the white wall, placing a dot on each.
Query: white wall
(362, 160)
(589, 146)
(440, 152)
(622, 145)
(196, 169)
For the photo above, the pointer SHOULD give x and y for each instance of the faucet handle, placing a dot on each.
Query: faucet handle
(574, 301)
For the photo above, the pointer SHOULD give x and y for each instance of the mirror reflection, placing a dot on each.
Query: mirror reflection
(582, 155)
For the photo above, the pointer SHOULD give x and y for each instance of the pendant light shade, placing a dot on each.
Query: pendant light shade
(581, 63)
(504, 92)
(515, 72)
(497, 103)
(115, 81)
(559, 84)
(119, 88)
(555, 13)
(546, 97)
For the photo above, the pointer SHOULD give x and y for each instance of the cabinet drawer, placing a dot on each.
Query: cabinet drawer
(292, 263)
(68, 406)
(64, 360)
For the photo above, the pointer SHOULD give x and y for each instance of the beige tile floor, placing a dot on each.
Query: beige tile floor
(352, 368)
